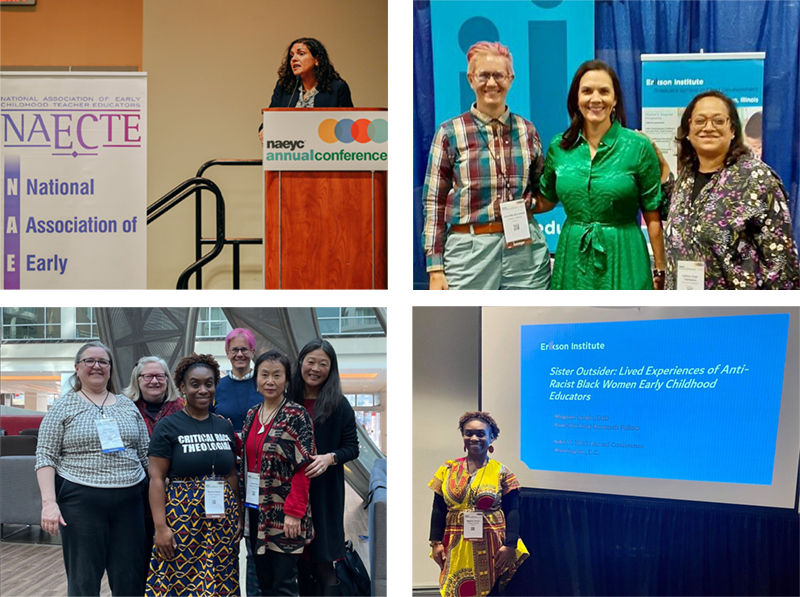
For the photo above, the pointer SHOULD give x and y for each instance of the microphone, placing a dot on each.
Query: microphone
(289, 104)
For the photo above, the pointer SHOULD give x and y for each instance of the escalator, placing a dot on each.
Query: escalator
(132, 333)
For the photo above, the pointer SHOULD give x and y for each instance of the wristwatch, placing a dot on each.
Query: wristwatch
(335, 458)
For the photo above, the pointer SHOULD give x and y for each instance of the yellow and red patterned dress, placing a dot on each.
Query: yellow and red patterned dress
(469, 565)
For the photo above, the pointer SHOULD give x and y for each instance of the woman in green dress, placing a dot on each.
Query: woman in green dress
(604, 174)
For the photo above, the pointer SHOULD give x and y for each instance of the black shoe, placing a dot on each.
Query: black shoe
(306, 585)
(326, 590)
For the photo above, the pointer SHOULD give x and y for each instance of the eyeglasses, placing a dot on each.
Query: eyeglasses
(91, 362)
(500, 78)
(717, 122)
(235, 350)
(148, 377)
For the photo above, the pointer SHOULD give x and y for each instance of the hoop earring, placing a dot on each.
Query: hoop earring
(465, 447)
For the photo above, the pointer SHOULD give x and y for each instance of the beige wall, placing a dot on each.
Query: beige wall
(72, 33)
(211, 69)
(446, 384)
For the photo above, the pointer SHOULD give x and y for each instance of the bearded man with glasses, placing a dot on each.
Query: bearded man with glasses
(483, 173)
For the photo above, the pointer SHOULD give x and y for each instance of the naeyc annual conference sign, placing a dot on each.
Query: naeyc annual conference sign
(74, 180)
(308, 139)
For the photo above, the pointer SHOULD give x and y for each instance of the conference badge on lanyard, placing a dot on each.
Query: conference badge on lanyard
(110, 440)
(691, 275)
(515, 223)
(215, 498)
(473, 525)
(251, 493)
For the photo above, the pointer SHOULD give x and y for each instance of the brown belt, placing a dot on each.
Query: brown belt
(495, 227)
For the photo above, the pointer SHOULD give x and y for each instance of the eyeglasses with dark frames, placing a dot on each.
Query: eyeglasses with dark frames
(149, 377)
(236, 350)
(90, 362)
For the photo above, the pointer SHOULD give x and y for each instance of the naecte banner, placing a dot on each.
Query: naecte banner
(74, 180)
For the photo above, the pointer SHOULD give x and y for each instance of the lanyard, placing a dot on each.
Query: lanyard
(471, 491)
(100, 408)
(270, 417)
(499, 166)
(241, 412)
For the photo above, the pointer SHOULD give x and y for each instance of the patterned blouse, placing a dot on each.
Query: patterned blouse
(289, 444)
(739, 226)
(70, 443)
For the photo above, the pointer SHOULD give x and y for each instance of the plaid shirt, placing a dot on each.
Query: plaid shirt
(475, 163)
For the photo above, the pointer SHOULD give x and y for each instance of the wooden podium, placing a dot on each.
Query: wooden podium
(325, 214)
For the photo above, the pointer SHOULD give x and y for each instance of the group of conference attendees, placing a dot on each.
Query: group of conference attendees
(158, 484)
(726, 221)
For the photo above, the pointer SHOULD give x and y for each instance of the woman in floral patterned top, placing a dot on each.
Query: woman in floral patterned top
(728, 222)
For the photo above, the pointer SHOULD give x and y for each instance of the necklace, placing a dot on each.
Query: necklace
(100, 408)
(269, 417)
(210, 416)
(485, 462)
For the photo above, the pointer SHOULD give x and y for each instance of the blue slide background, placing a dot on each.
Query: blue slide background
(726, 434)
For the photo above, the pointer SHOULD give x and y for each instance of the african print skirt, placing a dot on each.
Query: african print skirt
(206, 559)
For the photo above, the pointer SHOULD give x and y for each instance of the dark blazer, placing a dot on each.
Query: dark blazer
(337, 97)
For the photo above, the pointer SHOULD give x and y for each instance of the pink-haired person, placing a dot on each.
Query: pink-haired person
(236, 393)
(483, 174)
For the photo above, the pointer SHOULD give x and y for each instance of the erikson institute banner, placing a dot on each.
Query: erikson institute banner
(670, 81)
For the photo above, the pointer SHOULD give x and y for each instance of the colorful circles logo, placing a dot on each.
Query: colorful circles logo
(360, 131)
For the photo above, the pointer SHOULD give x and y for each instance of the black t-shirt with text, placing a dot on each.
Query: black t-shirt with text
(193, 446)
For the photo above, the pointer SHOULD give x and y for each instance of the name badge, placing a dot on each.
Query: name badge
(515, 223)
(691, 275)
(473, 525)
(110, 440)
(251, 492)
(215, 499)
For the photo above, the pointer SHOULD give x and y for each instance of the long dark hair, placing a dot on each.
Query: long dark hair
(324, 71)
(330, 394)
(687, 156)
(274, 356)
(75, 381)
(575, 117)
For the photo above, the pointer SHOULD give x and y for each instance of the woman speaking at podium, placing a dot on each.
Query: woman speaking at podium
(307, 79)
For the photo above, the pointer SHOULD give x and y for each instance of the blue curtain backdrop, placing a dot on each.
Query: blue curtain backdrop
(424, 126)
(593, 544)
(625, 29)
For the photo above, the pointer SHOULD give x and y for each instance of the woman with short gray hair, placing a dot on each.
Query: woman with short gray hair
(152, 389)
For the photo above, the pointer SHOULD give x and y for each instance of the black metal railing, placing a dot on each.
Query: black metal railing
(197, 185)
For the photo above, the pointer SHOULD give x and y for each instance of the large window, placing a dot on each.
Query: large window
(370, 420)
(31, 323)
(348, 321)
(212, 323)
(85, 323)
